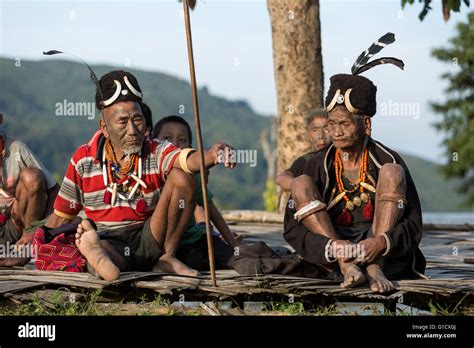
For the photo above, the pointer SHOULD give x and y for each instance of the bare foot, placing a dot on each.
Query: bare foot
(377, 280)
(88, 242)
(173, 265)
(353, 275)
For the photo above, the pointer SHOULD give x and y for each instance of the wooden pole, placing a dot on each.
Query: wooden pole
(197, 125)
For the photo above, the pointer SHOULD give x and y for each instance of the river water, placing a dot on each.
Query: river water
(448, 218)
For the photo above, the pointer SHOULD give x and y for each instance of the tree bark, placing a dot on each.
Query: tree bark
(267, 140)
(296, 35)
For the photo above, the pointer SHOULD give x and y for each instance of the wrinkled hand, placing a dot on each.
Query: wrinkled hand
(371, 248)
(16, 261)
(24, 242)
(13, 261)
(343, 250)
(223, 153)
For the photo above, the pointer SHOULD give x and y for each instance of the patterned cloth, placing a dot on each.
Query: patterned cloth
(59, 254)
(83, 185)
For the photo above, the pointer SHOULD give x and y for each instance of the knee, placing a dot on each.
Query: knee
(32, 179)
(392, 176)
(301, 185)
(185, 183)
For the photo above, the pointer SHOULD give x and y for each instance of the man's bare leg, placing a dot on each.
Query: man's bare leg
(116, 257)
(302, 193)
(88, 243)
(29, 205)
(389, 207)
(168, 222)
(30, 198)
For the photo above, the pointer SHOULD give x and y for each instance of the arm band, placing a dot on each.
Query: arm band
(389, 244)
(183, 159)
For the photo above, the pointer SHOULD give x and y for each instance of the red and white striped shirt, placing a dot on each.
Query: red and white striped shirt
(83, 186)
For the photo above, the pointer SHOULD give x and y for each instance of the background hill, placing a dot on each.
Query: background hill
(30, 92)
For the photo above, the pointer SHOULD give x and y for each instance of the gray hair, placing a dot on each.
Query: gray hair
(315, 113)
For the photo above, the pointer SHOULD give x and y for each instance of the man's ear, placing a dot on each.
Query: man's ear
(367, 125)
(103, 126)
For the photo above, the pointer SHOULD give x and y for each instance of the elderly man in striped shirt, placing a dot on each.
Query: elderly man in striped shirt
(139, 192)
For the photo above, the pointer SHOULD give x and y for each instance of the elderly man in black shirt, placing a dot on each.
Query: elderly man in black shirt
(356, 209)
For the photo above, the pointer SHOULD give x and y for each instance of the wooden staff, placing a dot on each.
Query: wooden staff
(197, 124)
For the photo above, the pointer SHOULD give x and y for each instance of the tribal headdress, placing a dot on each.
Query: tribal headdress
(121, 182)
(115, 86)
(357, 93)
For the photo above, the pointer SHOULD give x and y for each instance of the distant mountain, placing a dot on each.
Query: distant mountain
(436, 192)
(31, 94)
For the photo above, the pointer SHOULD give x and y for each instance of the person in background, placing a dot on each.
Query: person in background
(317, 127)
(193, 250)
(27, 193)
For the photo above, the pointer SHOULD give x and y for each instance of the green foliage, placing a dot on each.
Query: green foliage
(436, 192)
(300, 308)
(457, 111)
(448, 6)
(443, 310)
(270, 196)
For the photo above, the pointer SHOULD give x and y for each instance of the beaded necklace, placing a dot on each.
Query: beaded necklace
(126, 187)
(346, 218)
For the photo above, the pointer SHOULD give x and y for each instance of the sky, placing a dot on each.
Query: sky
(233, 50)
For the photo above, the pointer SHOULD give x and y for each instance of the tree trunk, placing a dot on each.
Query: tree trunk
(267, 140)
(298, 67)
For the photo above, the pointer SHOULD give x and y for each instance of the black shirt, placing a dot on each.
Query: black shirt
(297, 168)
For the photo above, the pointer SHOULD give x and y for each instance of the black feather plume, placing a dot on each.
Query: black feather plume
(93, 76)
(50, 53)
(375, 48)
(385, 60)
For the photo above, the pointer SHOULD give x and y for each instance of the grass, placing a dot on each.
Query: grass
(443, 310)
(60, 303)
(298, 308)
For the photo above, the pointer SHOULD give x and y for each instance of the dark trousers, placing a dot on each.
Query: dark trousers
(196, 255)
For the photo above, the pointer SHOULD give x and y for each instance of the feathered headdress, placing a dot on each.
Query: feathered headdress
(361, 64)
(93, 76)
(357, 93)
(115, 86)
